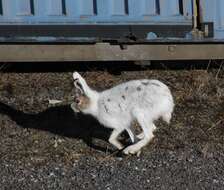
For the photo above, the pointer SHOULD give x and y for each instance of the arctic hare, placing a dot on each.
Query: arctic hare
(143, 101)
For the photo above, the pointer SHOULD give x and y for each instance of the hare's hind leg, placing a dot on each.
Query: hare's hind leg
(113, 138)
(131, 134)
(147, 128)
(141, 135)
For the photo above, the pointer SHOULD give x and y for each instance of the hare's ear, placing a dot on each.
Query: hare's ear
(80, 83)
(77, 93)
(79, 87)
(76, 76)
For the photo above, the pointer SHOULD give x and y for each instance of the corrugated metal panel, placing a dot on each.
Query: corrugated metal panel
(213, 11)
(95, 11)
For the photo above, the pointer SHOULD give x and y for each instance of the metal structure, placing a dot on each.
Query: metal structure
(213, 12)
(90, 30)
(93, 20)
(95, 11)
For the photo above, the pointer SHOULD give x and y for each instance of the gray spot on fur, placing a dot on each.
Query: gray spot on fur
(123, 97)
(139, 88)
(145, 83)
(119, 106)
(155, 84)
(106, 109)
(126, 88)
(108, 99)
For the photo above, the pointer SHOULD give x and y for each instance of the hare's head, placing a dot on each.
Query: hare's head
(81, 100)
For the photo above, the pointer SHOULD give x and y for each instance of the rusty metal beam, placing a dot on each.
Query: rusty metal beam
(107, 52)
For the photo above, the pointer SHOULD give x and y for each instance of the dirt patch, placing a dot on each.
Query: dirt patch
(49, 147)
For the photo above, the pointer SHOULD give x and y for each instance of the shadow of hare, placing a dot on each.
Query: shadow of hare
(61, 120)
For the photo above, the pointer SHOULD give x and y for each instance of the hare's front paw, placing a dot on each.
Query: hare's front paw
(132, 149)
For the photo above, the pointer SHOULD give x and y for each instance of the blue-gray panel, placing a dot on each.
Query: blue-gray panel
(213, 11)
(96, 11)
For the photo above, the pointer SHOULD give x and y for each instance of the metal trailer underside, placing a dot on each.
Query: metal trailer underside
(109, 30)
(104, 43)
(107, 52)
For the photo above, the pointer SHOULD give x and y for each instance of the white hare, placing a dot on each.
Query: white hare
(143, 101)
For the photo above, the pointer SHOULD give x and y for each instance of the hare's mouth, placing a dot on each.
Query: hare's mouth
(74, 107)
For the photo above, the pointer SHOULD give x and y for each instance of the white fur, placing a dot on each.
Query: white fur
(142, 100)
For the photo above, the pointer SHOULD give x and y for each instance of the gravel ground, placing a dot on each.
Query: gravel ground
(49, 147)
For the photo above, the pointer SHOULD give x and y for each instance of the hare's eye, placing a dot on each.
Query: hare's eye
(77, 101)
